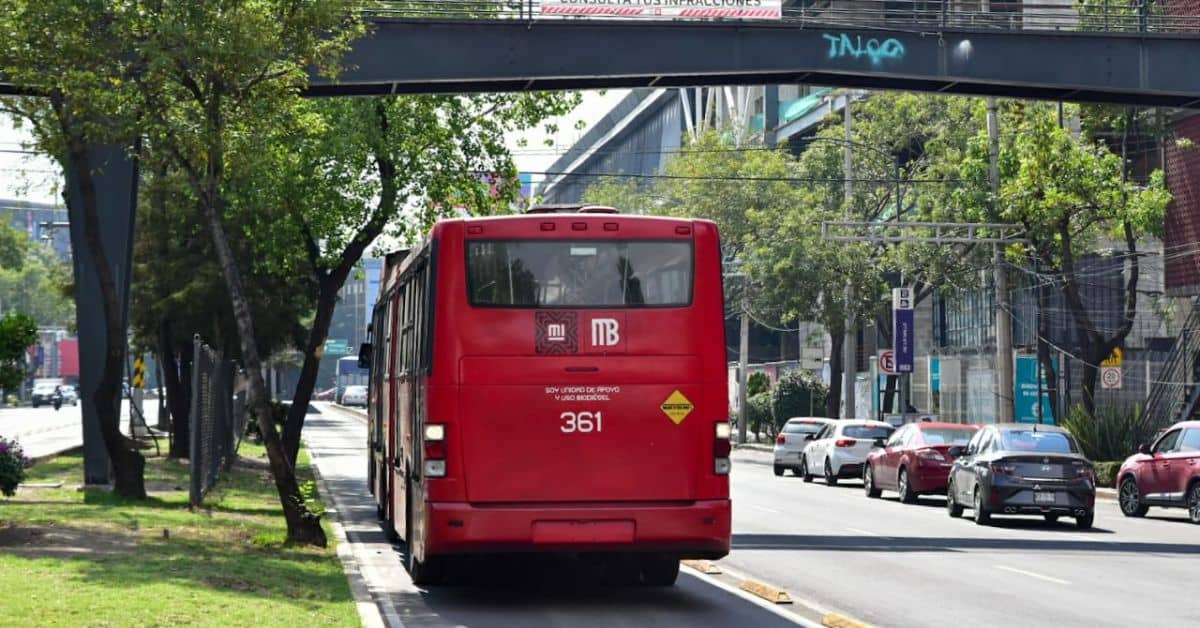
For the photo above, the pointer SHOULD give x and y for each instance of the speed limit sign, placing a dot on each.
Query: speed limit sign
(1110, 377)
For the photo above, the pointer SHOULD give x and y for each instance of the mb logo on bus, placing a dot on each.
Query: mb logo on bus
(556, 332)
(605, 332)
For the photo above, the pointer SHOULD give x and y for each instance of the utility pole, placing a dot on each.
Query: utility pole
(743, 364)
(850, 346)
(1004, 351)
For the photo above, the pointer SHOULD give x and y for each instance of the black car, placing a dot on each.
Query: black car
(1023, 469)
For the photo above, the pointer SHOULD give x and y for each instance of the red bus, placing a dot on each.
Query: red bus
(553, 382)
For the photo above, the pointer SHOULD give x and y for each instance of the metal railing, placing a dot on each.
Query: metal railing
(218, 418)
(1165, 16)
(1174, 389)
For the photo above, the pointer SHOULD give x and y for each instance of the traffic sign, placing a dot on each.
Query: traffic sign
(903, 329)
(887, 362)
(1110, 377)
(337, 347)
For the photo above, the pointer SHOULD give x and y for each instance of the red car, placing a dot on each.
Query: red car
(1166, 473)
(915, 459)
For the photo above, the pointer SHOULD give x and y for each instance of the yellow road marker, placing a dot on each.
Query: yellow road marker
(835, 620)
(703, 566)
(766, 592)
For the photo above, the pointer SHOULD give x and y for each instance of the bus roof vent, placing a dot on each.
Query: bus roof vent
(598, 209)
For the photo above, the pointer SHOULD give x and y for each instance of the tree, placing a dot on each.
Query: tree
(756, 383)
(17, 333)
(374, 167)
(180, 291)
(39, 287)
(76, 54)
(904, 150)
(219, 77)
(12, 247)
(797, 393)
(1074, 199)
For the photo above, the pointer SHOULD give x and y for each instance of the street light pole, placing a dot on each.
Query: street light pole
(850, 344)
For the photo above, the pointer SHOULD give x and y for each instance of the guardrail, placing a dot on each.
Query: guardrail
(1154, 16)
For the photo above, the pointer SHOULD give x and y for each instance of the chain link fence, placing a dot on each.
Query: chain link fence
(218, 418)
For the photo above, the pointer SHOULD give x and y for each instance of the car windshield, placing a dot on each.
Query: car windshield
(946, 436)
(802, 428)
(1041, 442)
(869, 432)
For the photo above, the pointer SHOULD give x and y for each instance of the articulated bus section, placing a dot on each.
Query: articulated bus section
(554, 383)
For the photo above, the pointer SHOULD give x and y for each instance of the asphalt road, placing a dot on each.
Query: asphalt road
(510, 592)
(43, 431)
(892, 564)
(831, 548)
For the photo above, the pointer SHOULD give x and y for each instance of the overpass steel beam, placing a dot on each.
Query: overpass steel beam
(440, 56)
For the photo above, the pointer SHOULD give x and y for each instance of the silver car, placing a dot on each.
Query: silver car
(355, 396)
(789, 444)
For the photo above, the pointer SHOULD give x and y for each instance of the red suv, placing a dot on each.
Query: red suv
(915, 459)
(1165, 474)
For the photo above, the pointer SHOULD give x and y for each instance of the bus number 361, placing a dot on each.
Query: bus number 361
(582, 422)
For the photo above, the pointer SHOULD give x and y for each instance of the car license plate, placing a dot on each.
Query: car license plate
(1043, 498)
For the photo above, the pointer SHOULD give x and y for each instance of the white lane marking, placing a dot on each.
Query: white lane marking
(1032, 575)
(765, 509)
(863, 532)
(757, 601)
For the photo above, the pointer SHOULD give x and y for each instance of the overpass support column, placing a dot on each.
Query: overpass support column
(114, 175)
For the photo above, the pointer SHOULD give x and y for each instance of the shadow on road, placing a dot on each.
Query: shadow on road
(556, 591)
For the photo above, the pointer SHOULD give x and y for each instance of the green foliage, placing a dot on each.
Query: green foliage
(1111, 435)
(759, 414)
(17, 332)
(12, 466)
(757, 383)
(12, 247)
(797, 393)
(1106, 472)
(38, 287)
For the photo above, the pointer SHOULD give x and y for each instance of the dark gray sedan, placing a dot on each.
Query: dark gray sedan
(1023, 469)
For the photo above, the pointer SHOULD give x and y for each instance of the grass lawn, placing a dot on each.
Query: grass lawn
(71, 557)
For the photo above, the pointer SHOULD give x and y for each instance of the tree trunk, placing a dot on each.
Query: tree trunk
(178, 382)
(303, 527)
(128, 464)
(326, 302)
(833, 400)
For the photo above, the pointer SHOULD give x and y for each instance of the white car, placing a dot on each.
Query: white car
(789, 444)
(355, 396)
(840, 449)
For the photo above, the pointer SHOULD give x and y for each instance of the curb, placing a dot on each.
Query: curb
(754, 446)
(1106, 493)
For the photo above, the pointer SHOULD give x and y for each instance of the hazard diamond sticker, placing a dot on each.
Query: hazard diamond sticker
(677, 407)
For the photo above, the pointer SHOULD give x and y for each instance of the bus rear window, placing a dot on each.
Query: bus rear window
(579, 274)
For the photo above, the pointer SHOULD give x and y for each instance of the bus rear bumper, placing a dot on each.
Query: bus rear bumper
(699, 529)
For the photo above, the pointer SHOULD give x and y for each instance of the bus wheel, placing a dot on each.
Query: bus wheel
(660, 571)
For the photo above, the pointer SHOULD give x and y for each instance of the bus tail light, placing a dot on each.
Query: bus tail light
(722, 448)
(435, 450)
